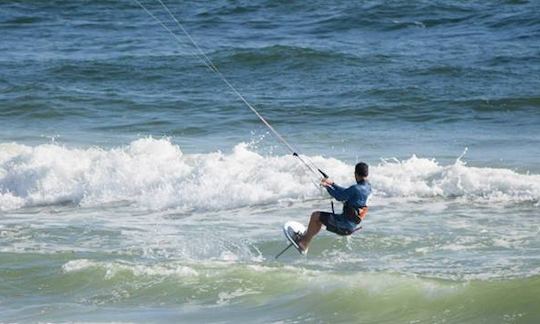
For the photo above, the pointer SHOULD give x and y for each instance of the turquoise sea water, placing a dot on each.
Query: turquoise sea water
(135, 187)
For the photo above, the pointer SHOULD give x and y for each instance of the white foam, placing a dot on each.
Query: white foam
(155, 174)
(225, 297)
(78, 265)
(418, 177)
(113, 268)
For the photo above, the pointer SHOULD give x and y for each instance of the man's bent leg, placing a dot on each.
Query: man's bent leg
(313, 228)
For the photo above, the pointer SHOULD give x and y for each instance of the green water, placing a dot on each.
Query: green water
(230, 291)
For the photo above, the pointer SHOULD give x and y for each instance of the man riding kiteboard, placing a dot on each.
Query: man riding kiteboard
(354, 198)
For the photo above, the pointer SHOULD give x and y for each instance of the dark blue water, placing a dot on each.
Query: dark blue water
(338, 78)
(119, 149)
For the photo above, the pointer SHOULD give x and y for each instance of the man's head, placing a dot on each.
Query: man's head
(361, 171)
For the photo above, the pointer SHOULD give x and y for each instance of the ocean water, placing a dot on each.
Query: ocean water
(135, 187)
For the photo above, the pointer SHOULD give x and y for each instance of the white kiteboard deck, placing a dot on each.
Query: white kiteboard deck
(292, 230)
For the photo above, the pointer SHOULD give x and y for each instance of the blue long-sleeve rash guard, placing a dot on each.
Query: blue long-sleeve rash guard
(355, 196)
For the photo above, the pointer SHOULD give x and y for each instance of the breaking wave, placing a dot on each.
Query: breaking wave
(155, 174)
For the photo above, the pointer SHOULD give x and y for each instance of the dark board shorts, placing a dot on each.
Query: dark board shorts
(337, 223)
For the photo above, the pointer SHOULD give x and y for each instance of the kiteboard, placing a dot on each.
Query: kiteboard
(293, 232)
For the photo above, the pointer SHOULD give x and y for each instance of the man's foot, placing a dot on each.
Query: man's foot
(298, 239)
(303, 248)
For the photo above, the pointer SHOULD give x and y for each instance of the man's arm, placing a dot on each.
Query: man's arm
(336, 191)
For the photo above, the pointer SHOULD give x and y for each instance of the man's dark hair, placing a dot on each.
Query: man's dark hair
(361, 169)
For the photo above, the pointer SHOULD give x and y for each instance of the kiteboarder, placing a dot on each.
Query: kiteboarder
(355, 200)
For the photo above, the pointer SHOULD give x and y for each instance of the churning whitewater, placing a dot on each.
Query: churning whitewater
(155, 174)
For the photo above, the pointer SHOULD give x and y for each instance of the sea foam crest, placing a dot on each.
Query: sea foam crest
(150, 172)
(420, 177)
(112, 269)
(154, 173)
